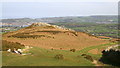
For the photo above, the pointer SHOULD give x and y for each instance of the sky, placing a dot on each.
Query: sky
(57, 8)
(59, 0)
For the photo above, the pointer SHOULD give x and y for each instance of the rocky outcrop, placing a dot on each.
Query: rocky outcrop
(48, 25)
(40, 24)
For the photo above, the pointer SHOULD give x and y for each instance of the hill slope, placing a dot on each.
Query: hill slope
(50, 36)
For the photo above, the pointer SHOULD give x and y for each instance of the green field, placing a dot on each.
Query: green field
(45, 57)
(98, 29)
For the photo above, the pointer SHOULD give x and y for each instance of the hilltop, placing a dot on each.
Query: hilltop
(48, 36)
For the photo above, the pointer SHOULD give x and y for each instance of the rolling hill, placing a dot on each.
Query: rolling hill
(48, 36)
(51, 45)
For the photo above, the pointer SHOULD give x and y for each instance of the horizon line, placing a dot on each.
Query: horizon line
(62, 16)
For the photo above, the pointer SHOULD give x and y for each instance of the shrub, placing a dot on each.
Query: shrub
(52, 49)
(72, 50)
(25, 35)
(83, 55)
(87, 57)
(11, 45)
(59, 56)
(60, 48)
(110, 57)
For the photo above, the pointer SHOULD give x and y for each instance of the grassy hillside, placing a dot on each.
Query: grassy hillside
(46, 57)
(43, 57)
(54, 47)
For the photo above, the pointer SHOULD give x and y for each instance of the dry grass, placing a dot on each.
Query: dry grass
(64, 39)
(95, 51)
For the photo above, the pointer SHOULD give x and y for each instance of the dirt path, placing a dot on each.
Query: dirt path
(26, 49)
(96, 63)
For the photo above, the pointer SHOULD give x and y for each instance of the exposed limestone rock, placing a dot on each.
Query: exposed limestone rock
(114, 47)
(40, 24)
(46, 24)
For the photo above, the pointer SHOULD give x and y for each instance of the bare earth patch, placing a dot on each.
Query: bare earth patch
(94, 51)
